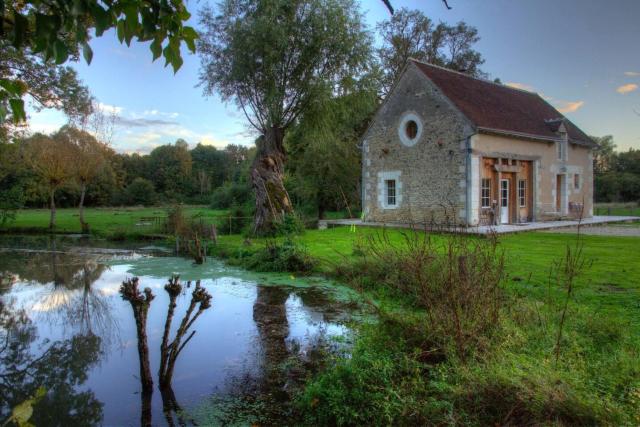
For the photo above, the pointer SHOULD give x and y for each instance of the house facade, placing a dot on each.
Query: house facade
(449, 148)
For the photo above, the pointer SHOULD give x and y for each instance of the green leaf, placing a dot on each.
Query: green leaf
(101, 18)
(156, 48)
(190, 33)
(22, 413)
(191, 45)
(177, 63)
(87, 52)
(20, 26)
(60, 52)
(14, 87)
(120, 31)
(17, 108)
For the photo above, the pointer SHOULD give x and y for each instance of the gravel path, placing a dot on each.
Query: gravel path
(602, 230)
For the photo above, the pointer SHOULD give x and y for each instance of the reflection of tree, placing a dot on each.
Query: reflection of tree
(71, 302)
(60, 368)
(270, 316)
(169, 349)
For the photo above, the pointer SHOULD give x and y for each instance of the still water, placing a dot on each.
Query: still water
(64, 326)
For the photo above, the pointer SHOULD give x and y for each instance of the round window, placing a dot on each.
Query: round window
(410, 129)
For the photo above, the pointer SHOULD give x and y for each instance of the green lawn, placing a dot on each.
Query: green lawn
(595, 382)
(611, 283)
(105, 221)
(617, 209)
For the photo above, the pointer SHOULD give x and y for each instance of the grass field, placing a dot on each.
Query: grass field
(617, 209)
(106, 221)
(595, 382)
(612, 282)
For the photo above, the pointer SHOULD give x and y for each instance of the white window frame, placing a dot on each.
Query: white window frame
(383, 178)
(482, 192)
(402, 132)
(522, 193)
(577, 181)
(390, 186)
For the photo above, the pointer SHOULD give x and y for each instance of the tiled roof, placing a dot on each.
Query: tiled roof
(494, 107)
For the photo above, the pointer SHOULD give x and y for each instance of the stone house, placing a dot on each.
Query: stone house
(447, 147)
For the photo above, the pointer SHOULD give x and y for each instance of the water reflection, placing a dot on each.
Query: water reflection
(69, 299)
(59, 367)
(61, 307)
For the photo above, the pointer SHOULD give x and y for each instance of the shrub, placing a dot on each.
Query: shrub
(287, 256)
(291, 224)
(231, 194)
(456, 279)
(140, 191)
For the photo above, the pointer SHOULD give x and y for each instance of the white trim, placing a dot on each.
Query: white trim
(382, 189)
(402, 134)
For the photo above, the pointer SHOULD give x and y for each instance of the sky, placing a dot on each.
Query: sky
(583, 56)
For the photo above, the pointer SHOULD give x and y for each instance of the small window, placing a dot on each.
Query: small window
(561, 150)
(522, 192)
(485, 195)
(576, 181)
(411, 129)
(391, 192)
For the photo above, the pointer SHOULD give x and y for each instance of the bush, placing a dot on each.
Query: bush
(455, 279)
(231, 194)
(140, 192)
(292, 224)
(287, 256)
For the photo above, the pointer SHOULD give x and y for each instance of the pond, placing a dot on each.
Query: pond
(65, 326)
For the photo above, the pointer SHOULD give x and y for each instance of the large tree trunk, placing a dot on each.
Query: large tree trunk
(272, 199)
(52, 206)
(83, 224)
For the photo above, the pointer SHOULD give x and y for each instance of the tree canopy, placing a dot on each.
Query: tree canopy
(272, 57)
(59, 30)
(411, 34)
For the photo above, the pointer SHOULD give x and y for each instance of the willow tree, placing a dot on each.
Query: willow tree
(271, 57)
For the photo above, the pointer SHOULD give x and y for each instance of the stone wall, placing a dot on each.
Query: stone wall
(431, 172)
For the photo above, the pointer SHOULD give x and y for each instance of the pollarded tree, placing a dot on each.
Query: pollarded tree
(271, 57)
(52, 160)
(90, 156)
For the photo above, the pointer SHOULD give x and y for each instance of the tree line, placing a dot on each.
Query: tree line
(616, 173)
(72, 168)
(308, 86)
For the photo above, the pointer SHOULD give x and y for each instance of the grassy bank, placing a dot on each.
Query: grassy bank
(617, 209)
(129, 222)
(521, 371)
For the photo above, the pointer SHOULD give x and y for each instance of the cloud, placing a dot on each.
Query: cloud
(109, 109)
(624, 89)
(522, 86)
(159, 113)
(568, 106)
(129, 123)
(632, 73)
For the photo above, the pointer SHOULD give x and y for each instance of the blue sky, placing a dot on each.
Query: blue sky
(582, 55)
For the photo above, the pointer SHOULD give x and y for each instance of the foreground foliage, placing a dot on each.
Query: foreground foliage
(407, 369)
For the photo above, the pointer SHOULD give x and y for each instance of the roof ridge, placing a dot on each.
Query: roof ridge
(474, 77)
